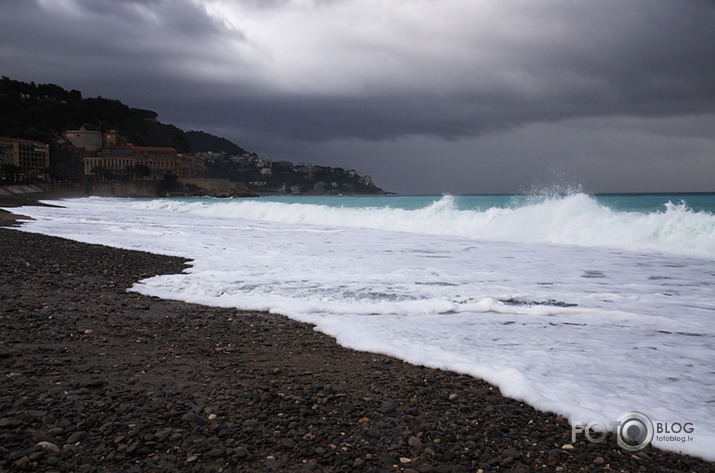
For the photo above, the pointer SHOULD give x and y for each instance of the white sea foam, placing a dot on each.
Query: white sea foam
(547, 299)
(576, 219)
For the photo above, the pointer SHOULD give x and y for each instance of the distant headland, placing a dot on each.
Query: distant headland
(50, 136)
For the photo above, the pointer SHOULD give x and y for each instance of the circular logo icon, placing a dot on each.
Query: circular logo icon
(634, 431)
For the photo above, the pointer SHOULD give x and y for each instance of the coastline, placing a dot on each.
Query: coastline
(116, 381)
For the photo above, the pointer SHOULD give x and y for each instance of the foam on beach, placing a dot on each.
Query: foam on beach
(560, 301)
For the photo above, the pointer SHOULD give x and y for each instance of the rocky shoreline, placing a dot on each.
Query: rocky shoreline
(96, 378)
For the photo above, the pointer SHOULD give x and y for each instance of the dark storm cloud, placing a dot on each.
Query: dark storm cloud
(557, 60)
(636, 58)
(284, 72)
(131, 44)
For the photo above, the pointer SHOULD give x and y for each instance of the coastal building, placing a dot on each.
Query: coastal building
(109, 155)
(112, 139)
(115, 161)
(30, 157)
(122, 161)
(160, 161)
(88, 140)
(190, 165)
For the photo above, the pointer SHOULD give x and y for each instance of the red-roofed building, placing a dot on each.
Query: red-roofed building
(190, 165)
(117, 161)
(159, 160)
(121, 159)
(121, 162)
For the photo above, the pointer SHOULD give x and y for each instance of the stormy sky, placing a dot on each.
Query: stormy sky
(426, 96)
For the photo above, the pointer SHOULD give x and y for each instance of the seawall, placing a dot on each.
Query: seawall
(82, 189)
(148, 188)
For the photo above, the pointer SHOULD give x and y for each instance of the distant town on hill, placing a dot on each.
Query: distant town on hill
(48, 133)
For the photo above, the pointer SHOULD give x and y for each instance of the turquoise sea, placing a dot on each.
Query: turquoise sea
(621, 202)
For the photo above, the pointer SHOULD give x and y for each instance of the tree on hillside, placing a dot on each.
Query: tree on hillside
(101, 173)
(202, 142)
(44, 111)
(139, 171)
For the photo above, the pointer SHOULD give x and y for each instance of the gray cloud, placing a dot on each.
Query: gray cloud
(296, 78)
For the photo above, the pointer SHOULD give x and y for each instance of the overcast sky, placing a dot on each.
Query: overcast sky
(426, 96)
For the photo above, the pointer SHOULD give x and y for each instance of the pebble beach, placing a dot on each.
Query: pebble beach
(99, 379)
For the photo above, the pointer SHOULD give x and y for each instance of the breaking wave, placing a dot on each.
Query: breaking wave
(574, 220)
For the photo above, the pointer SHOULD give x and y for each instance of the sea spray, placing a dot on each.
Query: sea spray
(572, 219)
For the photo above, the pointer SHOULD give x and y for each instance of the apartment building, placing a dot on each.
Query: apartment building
(117, 161)
(160, 161)
(121, 161)
(31, 157)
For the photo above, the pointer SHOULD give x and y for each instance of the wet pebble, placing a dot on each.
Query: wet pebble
(147, 389)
